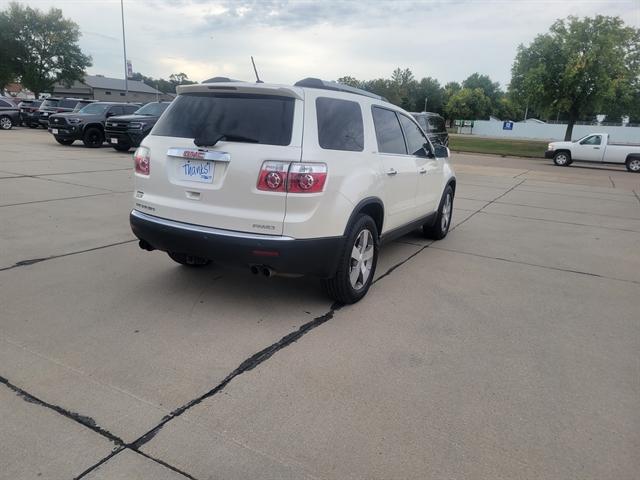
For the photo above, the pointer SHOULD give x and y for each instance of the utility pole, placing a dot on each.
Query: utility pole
(425, 103)
(124, 51)
(526, 110)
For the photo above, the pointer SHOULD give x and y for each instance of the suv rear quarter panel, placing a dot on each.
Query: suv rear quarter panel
(352, 176)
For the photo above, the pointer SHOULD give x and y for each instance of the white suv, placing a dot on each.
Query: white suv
(309, 179)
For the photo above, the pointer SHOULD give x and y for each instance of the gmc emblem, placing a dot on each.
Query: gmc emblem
(193, 154)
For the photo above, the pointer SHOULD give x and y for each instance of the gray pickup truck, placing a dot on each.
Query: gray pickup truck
(87, 124)
(595, 148)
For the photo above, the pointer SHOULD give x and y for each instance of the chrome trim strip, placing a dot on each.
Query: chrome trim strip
(208, 230)
(199, 154)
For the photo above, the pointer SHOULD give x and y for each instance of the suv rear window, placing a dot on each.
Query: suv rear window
(66, 103)
(388, 131)
(50, 102)
(436, 125)
(339, 124)
(267, 119)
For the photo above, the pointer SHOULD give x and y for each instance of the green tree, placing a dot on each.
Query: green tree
(180, 79)
(350, 81)
(490, 89)
(46, 48)
(468, 104)
(428, 89)
(579, 67)
(8, 68)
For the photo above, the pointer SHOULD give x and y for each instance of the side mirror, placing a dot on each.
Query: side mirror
(110, 114)
(440, 151)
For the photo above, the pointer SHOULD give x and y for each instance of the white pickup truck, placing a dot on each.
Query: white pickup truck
(595, 148)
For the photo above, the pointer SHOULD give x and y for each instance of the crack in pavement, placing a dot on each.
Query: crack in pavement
(84, 420)
(24, 263)
(519, 262)
(62, 198)
(636, 195)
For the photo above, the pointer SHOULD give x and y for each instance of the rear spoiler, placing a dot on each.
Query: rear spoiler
(243, 87)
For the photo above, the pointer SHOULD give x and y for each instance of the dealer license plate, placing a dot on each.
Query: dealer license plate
(114, 140)
(54, 131)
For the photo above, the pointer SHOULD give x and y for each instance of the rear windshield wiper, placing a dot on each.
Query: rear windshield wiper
(202, 141)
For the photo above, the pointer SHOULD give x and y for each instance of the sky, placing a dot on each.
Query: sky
(294, 39)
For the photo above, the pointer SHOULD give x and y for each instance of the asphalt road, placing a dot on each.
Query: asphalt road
(508, 350)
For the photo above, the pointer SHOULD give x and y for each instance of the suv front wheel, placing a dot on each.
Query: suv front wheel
(357, 263)
(440, 228)
(93, 137)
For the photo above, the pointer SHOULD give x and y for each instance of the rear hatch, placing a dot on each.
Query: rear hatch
(215, 185)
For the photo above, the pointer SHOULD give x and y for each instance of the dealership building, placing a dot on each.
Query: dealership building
(99, 87)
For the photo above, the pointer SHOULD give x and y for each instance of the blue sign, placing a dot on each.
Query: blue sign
(507, 125)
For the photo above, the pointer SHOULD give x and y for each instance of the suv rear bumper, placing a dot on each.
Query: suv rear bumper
(317, 256)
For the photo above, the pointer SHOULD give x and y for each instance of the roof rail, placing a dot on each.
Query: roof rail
(311, 82)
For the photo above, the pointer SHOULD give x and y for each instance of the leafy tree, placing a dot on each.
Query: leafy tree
(385, 88)
(579, 67)
(490, 89)
(45, 49)
(7, 46)
(350, 81)
(428, 88)
(404, 83)
(468, 104)
(180, 79)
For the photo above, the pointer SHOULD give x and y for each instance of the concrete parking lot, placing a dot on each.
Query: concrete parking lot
(511, 349)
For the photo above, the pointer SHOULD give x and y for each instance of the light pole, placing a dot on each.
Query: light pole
(425, 103)
(124, 51)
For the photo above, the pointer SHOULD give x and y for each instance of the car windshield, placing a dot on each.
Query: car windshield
(80, 105)
(94, 108)
(152, 109)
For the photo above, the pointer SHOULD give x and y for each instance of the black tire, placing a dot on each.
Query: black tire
(633, 164)
(5, 122)
(441, 226)
(121, 148)
(340, 287)
(63, 141)
(93, 137)
(562, 159)
(188, 260)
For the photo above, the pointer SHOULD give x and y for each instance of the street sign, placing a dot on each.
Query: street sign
(507, 125)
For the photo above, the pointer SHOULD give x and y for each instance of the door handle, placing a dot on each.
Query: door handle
(422, 171)
(392, 171)
(596, 148)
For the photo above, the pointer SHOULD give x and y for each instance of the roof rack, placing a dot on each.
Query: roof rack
(311, 82)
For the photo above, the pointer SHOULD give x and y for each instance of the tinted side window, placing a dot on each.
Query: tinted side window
(436, 125)
(267, 119)
(592, 140)
(388, 132)
(130, 109)
(340, 124)
(4, 104)
(422, 121)
(413, 136)
(116, 110)
(67, 103)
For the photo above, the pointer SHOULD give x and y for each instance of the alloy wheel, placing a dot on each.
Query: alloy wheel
(361, 259)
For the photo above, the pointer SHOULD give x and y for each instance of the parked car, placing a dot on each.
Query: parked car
(309, 179)
(29, 112)
(82, 103)
(88, 123)
(595, 148)
(9, 118)
(54, 105)
(434, 126)
(127, 131)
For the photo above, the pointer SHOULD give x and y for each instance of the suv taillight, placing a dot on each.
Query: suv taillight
(292, 177)
(142, 160)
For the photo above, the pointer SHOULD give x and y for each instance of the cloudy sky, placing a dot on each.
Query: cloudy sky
(292, 39)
